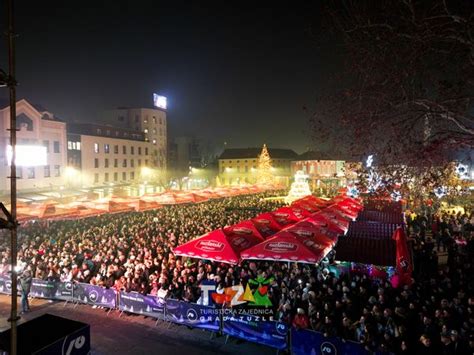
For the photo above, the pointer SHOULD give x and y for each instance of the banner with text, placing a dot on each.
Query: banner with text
(250, 328)
(305, 342)
(44, 289)
(148, 305)
(192, 315)
(94, 295)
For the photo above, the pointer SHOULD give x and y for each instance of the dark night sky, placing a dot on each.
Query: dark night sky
(241, 75)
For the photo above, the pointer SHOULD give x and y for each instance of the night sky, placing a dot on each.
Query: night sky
(236, 75)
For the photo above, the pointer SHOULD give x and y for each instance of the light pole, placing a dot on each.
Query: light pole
(11, 222)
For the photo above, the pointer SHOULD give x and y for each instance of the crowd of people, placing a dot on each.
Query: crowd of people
(133, 252)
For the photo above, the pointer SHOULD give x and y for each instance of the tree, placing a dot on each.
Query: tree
(408, 89)
(264, 171)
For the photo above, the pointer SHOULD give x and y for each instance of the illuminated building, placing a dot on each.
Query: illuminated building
(239, 166)
(323, 170)
(151, 122)
(41, 153)
(100, 155)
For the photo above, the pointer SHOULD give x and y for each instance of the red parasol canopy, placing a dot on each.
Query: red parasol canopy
(326, 225)
(243, 235)
(347, 214)
(336, 218)
(308, 230)
(212, 246)
(266, 224)
(283, 246)
(300, 211)
(285, 216)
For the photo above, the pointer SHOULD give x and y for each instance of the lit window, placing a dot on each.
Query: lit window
(145, 130)
(154, 141)
(69, 145)
(106, 148)
(57, 171)
(96, 147)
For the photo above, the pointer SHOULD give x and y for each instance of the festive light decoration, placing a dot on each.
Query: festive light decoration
(374, 181)
(264, 172)
(440, 191)
(462, 171)
(396, 195)
(299, 188)
(352, 191)
(369, 161)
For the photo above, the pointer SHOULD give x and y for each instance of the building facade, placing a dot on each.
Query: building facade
(151, 122)
(101, 155)
(239, 166)
(41, 141)
(324, 171)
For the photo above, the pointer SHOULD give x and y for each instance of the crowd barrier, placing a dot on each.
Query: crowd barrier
(225, 321)
(304, 341)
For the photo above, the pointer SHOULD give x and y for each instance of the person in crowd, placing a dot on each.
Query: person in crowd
(133, 252)
(26, 279)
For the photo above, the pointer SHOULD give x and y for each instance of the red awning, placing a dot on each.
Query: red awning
(243, 235)
(327, 225)
(212, 246)
(266, 224)
(301, 211)
(336, 218)
(283, 246)
(285, 216)
(308, 230)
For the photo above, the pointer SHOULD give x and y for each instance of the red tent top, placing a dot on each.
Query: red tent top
(349, 206)
(283, 246)
(327, 225)
(309, 207)
(243, 235)
(212, 246)
(266, 224)
(318, 202)
(308, 230)
(285, 216)
(300, 212)
(336, 218)
(347, 214)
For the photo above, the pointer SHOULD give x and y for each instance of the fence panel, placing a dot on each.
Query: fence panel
(193, 315)
(137, 303)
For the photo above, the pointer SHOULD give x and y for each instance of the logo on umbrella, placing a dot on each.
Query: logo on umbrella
(210, 245)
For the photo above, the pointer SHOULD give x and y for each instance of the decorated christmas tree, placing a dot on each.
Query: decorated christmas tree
(299, 188)
(264, 171)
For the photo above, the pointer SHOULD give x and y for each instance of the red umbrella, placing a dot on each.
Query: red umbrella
(307, 230)
(343, 212)
(311, 208)
(212, 246)
(285, 216)
(326, 224)
(316, 201)
(300, 212)
(336, 218)
(266, 224)
(243, 235)
(283, 246)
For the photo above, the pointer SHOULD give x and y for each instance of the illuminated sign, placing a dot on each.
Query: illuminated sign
(28, 155)
(160, 101)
